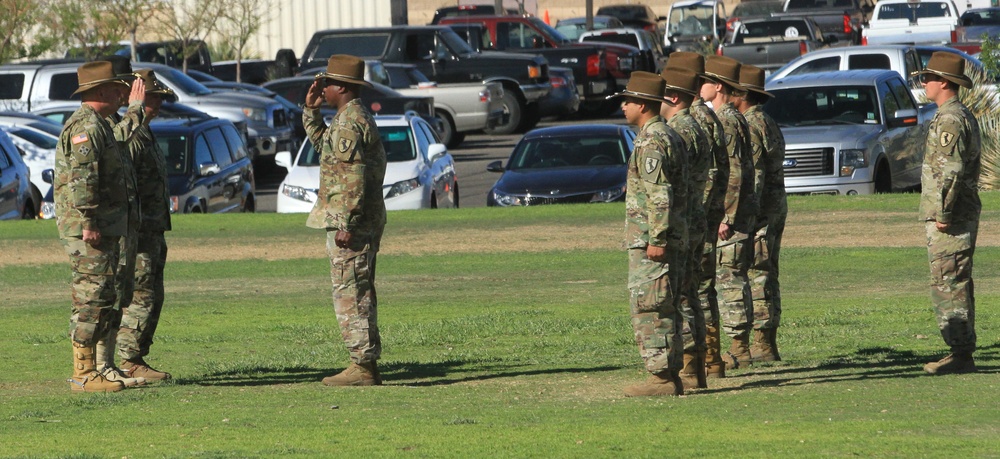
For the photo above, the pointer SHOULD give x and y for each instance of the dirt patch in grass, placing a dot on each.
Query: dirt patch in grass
(837, 229)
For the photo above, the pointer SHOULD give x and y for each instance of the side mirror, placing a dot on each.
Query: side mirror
(903, 118)
(47, 175)
(283, 159)
(495, 166)
(436, 150)
(206, 169)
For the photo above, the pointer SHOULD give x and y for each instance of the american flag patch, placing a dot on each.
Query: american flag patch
(79, 139)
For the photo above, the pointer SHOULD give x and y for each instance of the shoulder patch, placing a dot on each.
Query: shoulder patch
(81, 138)
(946, 138)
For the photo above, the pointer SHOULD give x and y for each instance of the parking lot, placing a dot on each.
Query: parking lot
(471, 158)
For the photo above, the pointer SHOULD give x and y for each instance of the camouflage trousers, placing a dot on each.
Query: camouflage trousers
(952, 294)
(125, 280)
(765, 289)
(93, 286)
(140, 318)
(732, 285)
(656, 318)
(693, 331)
(708, 298)
(354, 300)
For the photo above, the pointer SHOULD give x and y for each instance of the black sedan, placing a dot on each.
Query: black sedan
(565, 164)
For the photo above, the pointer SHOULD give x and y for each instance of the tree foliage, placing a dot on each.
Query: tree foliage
(19, 37)
(189, 22)
(242, 19)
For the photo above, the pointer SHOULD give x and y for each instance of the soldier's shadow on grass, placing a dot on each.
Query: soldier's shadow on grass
(865, 364)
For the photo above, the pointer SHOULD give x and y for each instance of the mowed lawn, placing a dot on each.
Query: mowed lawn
(506, 334)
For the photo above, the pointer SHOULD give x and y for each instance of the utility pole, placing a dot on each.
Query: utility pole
(590, 14)
(399, 13)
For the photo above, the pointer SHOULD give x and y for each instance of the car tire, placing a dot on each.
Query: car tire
(29, 212)
(512, 110)
(529, 118)
(447, 132)
(36, 198)
(883, 178)
(434, 201)
(454, 195)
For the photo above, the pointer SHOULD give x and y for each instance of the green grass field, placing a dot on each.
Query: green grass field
(505, 334)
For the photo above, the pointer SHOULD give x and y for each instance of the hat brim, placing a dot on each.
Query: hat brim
(726, 81)
(960, 80)
(343, 78)
(637, 95)
(668, 87)
(94, 84)
(757, 90)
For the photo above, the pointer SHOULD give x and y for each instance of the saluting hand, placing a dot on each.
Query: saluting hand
(314, 97)
(138, 91)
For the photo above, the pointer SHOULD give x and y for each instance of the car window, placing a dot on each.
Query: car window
(555, 152)
(868, 61)
(902, 94)
(423, 141)
(518, 36)
(236, 144)
(220, 149)
(59, 117)
(913, 11)
(202, 154)
(175, 152)
(624, 38)
(36, 138)
(361, 45)
(432, 136)
(62, 86)
(11, 85)
(5, 162)
(420, 46)
(810, 4)
(397, 142)
(912, 62)
(890, 104)
(769, 31)
(824, 64)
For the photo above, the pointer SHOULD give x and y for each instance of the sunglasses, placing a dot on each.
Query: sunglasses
(929, 77)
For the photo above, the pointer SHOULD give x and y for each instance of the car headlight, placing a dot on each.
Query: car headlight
(851, 160)
(48, 210)
(609, 195)
(255, 114)
(403, 187)
(504, 199)
(299, 193)
(174, 204)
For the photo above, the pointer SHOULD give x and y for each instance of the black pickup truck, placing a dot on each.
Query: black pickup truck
(444, 57)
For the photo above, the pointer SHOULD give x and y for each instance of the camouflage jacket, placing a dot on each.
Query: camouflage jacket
(700, 160)
(768, 146)
(740, 202)
(352, 167)
(90, 189)
(656, 197)
(949, 177)
(718, 171)
(151, 172)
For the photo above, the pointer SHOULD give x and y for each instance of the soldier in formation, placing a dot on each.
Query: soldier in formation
(349, 206)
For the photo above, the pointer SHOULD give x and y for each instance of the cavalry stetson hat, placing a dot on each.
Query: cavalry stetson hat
(345, 68)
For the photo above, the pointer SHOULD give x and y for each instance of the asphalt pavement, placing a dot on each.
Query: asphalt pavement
(471, 158)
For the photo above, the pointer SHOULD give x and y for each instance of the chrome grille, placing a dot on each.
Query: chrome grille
(808, 163)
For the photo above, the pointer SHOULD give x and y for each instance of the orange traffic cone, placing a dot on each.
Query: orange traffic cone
(545, 17)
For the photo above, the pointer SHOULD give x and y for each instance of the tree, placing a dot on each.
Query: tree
(87, 30)
(132, 15)
(242, 19)
(190, 22)
(18, 30)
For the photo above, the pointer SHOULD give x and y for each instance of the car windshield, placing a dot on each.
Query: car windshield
(554, 152)
(691, 20)
(824, 106)
(913, 11)
(36, 138)
(811, 4)
(981, 17)
(176, 152)
(630, 39)
(186, 84)
(396, 140)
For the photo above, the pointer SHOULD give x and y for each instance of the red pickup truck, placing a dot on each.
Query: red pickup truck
(600, 68)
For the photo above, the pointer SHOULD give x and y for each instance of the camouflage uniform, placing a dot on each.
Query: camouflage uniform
(950, 180)
(352, 167)
(91, 193)
(700, 160)
(768, 146)
(655, 205)
(712, 201)
(735, 255)
(124, 128)
(140, 318)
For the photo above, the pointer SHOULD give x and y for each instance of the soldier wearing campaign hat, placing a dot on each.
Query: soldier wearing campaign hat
(655, 234)
(92, 211)
(950, 208)
(349, 206)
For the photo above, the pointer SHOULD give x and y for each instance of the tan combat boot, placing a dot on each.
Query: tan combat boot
(85, 376)
(765, 347)
(138, 368)
(664, 383)
(693, 372)
(714, 366)
(954, 363)
(738, 355)
(358, 374)
(105, 358)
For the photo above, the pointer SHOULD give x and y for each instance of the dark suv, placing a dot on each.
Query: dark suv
(207, 164)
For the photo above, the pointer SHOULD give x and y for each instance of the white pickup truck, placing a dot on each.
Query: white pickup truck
(911, 22)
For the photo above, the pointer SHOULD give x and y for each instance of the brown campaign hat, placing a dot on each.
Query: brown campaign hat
(643, 85)
(949, 66)
(682, 80)
(122, 66)
(752, 79)
(348, 69)
(153, 84)
(686, 60)
(725, 70)
(93, 74)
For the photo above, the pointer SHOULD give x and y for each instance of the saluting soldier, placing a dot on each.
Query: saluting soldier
(768, 145)
(92, 209)
(655, 235)
(712, 200)
(349, 206)
(141, 317)
(735, 249)
(680, 89)
(950, 206)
